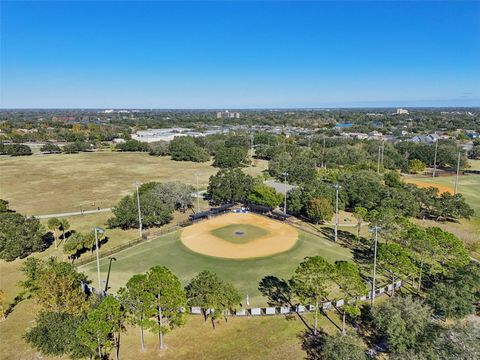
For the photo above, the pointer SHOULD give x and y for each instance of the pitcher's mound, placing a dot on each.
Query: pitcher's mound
(239, 236)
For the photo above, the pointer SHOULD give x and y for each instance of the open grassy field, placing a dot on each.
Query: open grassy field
(467, 230)
(169, 251)
(46, 184)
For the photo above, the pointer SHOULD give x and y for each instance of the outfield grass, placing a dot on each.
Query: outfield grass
(245, 274)
(46, 184)
(250, 232)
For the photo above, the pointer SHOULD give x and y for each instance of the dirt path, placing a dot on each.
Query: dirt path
(280, 238)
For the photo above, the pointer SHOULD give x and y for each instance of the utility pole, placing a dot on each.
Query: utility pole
(337, 188)
(458, 170)
(378, 159)
(139, 211)
(101, 231)
(435, 159)
(372, 295)
(198, 194)
(285, 174)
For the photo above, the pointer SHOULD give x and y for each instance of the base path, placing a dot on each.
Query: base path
(280, 237)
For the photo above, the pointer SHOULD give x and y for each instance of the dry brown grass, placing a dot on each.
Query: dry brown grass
(46, 184)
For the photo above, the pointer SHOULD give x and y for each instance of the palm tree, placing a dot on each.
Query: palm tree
(54, 224)
(63, 225)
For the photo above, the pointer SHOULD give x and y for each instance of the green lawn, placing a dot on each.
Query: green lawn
(239, 233)
(245, 274)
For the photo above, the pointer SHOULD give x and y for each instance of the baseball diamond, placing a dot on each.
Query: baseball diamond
(239, 236)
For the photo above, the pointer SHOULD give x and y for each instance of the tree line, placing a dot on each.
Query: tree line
(75, 323)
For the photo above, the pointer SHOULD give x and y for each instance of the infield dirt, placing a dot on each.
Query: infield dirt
(424, 184)
(280, 237)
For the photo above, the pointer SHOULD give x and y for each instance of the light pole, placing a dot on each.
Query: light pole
(324, 164)
(372, 294)
(458, 170)
(139, 211)
(109, 269)
(435, 159)
(383, 150)
(251, 146)
(337, 188)
(98, 230)
(198, 194)
(378, 159)
(285, 174)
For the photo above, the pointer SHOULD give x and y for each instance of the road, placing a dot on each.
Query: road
(85, 212)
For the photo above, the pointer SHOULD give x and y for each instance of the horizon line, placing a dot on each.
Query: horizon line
(248, 108)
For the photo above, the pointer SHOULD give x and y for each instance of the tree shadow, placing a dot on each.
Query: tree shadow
(19, 298)
(366, 327)
(280, 293)
(103, 241)
(47, 240)
(360, 247)
(277, 291)
(324, 313)
(313, 344)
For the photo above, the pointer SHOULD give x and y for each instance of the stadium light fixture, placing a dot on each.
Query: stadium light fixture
(137, 185)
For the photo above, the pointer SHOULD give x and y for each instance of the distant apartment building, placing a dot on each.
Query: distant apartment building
(228, 115)
(152, 135)
(402, 112)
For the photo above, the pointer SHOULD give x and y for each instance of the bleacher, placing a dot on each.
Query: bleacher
(280, 215)
(259, 209)
(212, 212)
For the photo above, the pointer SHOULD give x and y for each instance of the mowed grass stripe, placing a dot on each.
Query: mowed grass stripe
(245, 274)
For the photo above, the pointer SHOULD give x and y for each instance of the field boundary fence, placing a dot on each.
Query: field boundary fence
(148, 235)
(290, 309)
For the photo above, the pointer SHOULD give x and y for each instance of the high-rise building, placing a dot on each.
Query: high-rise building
(402, 111)
(228, 115)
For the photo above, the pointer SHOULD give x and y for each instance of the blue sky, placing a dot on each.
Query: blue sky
(239, 54)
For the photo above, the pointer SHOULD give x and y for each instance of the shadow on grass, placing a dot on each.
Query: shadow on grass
(280, 293)
(360, 247)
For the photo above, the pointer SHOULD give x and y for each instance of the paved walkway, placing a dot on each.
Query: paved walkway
(85, 212)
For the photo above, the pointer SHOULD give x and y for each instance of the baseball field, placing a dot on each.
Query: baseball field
(245, 272)
(239, 236)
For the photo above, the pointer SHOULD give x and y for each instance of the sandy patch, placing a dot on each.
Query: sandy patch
(280, 237)
(425, 184)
